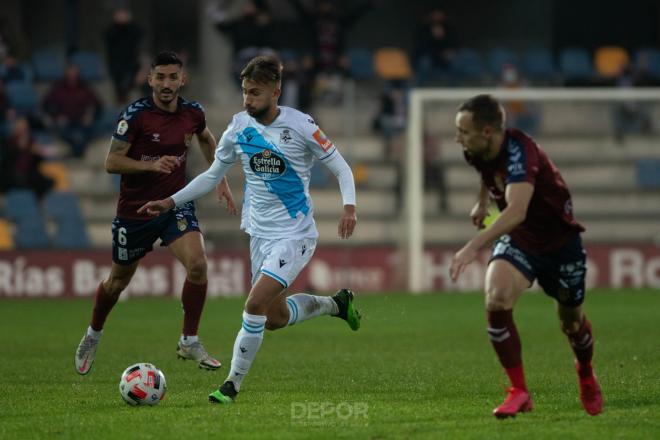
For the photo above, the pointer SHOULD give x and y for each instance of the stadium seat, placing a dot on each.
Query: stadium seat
(47, 65)
(392, 63)
(609, 61)
(468, 64)
(575, 65)
(62, 208)
(89, 64)
(538, 64)
(647, 60)
(22, 208)
(58, 172)
(22, 96)
(498, 57)
(6, 240)
(360, 63)
(648, 173)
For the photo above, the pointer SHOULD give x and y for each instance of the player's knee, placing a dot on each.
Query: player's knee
(498, 298)
(196, 270)
(274, 324)
(570, 325)
(255, 307)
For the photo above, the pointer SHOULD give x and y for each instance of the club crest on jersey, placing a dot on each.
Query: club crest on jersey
(122, 127)
(285, 136)
(155, 137)
(322, 140)
(268, 165)
(187, 139)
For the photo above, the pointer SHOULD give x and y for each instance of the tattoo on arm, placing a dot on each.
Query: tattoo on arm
(118, 147)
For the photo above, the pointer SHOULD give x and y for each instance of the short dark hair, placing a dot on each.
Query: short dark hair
(166, 58)
(264, 69)
(485, 110)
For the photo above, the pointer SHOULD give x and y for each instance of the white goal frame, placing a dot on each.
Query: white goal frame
(414, 187)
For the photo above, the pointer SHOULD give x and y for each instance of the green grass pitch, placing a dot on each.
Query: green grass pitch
(420, 367)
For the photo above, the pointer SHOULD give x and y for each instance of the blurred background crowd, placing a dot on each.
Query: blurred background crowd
(67, 67)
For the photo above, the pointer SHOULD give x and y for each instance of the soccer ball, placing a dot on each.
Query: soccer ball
(142, 384)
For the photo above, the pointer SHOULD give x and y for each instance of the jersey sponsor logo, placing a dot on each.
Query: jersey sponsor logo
(187, 139)
(268, 165)
(122, 127)
(285, 136)
(322, 140)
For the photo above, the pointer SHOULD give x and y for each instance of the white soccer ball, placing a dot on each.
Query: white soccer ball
(142, 384)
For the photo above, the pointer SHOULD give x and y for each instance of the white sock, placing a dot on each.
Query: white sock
(246, 347)
(93, 333)
(303, 306)
(188, 339)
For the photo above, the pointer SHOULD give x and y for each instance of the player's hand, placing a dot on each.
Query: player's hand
(224, 193)
(347, 222)
(461, 259)
(156, 207)
(478, 214)
(166, 164)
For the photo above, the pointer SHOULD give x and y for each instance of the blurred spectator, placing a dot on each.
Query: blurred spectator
(522, 115)
(20, 161)
(297, 83)
(12, 70)
(434, 47)
(72, 108)
(391, 119)
(122, 45)
(250, 33)
(630, 116)
(327, 29)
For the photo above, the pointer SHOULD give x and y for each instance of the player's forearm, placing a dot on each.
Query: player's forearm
(207, 145)
(484, 196)
(202, 184)
(338, 166)
(121, 164)
(505, 223)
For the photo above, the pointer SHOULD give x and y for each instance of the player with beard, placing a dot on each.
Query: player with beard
(536, 237)
(276, 146)
(149, 150)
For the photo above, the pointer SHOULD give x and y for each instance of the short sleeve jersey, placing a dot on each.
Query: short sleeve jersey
(152, 133)
(277, 160)
(549, 223)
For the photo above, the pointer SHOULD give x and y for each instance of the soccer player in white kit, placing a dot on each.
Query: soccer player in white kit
(277, 147)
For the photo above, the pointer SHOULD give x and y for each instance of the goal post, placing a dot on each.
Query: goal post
(414, 174)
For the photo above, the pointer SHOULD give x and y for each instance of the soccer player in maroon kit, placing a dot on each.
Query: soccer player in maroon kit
(149, 149)
(536, 237)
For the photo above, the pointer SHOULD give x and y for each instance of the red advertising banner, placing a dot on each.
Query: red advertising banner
(373, 269)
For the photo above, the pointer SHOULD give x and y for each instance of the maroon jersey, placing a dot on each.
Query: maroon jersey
(549, 222)
(153, 133)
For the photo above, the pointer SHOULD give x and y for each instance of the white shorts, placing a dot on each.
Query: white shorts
(281, 259)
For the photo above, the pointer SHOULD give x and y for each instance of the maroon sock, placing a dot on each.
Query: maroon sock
(192, 299)
(506, 342)
(103, 304)
(582, 343)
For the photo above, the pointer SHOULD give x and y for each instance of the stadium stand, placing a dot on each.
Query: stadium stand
(62, 208)
(609, 61)
(575, 66)
(22, 208)
(47, 65)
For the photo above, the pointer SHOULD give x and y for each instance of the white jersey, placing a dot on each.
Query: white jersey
(277, 160)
